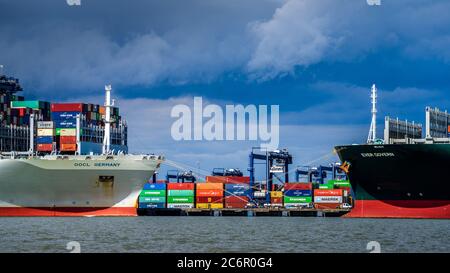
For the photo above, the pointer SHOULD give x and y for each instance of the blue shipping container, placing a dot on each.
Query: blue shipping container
(64, 115)
(152, 205)
(298, 193)
(230, 187)
(44, 139)
(65, 124)
(238, 192)
(154, 186)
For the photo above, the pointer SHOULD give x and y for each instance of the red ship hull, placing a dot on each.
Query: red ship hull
(419, 209)
(68, 211)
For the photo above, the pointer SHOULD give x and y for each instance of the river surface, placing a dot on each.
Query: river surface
(222, 234)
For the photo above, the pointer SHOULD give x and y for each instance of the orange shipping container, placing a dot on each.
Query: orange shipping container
(68, 147)
(68, 139)
(209, 186)
(209, 193)
(102, 110)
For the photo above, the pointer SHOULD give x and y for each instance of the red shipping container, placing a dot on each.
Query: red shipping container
(44, 147)
(68, 147)
(327, 205)
(213, 199)
(276, 200)
(180, 186)
(209, 193)
(236, 199)
(216, 179)
(68, 139)
(323, 192)
(298, 186)
(67, 107)
(235, 205)
(238, 179)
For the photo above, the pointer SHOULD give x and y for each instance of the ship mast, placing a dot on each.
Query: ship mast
(108, 105)
(373, 126)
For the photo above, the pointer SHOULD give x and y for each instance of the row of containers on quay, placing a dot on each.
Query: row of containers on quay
(219, 192)
(57, 130)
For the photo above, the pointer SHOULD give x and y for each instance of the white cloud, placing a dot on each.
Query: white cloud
(306, 32)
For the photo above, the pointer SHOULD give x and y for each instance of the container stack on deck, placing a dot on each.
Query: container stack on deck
(297, 195)
(237, 195)
(153, 196)
(45, 133)
(180, 195)
(209, 195)
(328, 199)
(15, 113)
(276, 198)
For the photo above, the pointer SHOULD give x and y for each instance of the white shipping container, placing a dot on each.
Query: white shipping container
(259, 194)
(180, 205)
(45, 132)
(45, 125)
(327, 199)
(68, 132)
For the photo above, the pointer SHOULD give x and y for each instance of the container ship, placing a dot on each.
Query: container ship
(66, 159)
(403, 175)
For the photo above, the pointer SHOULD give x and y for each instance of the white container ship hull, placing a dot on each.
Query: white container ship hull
(75, 186)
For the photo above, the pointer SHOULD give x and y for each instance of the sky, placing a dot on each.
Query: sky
(316, 59)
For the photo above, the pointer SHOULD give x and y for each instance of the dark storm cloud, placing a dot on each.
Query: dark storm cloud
(50, 44)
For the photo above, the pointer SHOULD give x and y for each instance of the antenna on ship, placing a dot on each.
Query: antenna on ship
(108, 105)
(373, 126)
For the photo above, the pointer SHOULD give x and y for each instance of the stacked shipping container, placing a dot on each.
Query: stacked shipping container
(328, 199)
(276, 198)
(180, 195)
(45, 133)
(153, 196)
(297, 194)
(237, 195)
(209, 195)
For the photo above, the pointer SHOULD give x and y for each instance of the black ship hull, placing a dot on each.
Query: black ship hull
(399, 180)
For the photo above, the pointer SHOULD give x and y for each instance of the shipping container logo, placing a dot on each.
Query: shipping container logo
(73, 2)
(234, 123)
(374, 2)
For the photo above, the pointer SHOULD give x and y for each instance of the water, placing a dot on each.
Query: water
(222, 234)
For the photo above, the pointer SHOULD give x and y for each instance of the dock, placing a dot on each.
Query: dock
(246, 212)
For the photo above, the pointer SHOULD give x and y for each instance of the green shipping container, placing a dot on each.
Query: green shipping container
(299, 199)
(342, 183)
(35, 104)
(180, 193)
(152, 199)
(180, 199)
(153, 193)
(326, 186)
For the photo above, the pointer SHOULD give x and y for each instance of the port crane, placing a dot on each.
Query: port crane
(277, 164)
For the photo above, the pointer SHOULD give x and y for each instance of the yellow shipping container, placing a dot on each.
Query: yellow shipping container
(68, 132)
(276, 194)
(209, 206)
(45, 132)
(209, 186)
